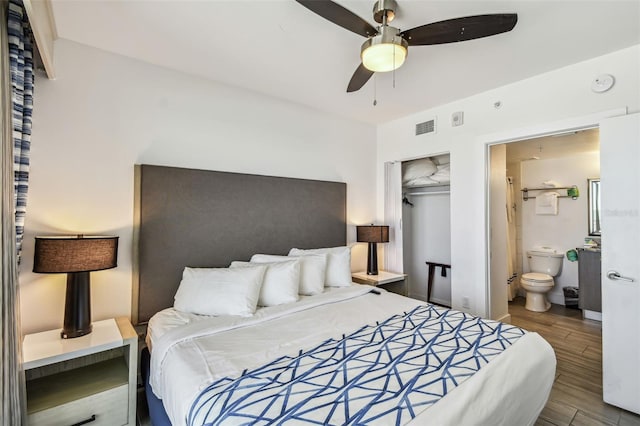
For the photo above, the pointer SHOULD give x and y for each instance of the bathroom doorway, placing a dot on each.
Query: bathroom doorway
(560, 165)
(619, 134)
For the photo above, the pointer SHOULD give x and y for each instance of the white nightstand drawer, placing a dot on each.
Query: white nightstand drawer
(89, 380)
(109, 407)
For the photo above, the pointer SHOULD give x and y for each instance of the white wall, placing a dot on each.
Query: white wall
(549, 97)
(568, 228)
(105, 113)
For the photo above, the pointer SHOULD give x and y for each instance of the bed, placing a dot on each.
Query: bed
(348, 354)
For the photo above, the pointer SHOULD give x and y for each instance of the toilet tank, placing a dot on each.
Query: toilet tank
(545, 261)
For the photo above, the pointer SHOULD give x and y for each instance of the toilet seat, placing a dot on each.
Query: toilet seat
(536, 279)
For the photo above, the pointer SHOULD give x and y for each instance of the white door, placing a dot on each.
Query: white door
(498, 306)
(620, 183)
(393, 257)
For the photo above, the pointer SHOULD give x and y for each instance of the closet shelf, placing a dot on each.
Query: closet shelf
(426, 189)
(526, 196)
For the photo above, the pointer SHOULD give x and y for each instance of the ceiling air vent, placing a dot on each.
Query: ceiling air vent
(426, 127)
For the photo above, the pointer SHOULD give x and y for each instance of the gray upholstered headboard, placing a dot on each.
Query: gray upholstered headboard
(202, 218)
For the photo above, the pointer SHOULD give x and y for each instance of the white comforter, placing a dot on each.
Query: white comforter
(190, 352)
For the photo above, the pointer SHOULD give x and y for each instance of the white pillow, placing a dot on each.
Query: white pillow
(338, 271)
(441, 159)
(312, 270)
(422, 167)
(281, 282)
(443, 174)
(220, 291)
(421, 181)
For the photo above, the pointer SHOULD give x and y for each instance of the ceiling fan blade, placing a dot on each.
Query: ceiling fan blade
(460, 29)
(359, 78)
(340, 16)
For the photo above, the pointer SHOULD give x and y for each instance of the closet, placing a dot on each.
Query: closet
(426, 227)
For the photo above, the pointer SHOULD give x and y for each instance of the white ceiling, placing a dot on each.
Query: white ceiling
(281, 49)
(557, 146)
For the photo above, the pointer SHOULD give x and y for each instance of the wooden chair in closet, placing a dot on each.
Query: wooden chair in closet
(432, 269)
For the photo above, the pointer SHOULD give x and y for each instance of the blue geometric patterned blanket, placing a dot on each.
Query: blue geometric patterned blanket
(385, 373)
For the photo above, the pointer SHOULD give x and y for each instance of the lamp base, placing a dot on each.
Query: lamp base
(372, 259)
(77, 306)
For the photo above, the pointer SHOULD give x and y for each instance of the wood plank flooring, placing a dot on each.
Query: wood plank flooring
(576, 396)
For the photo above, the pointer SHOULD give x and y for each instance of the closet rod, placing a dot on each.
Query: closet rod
(429, 193)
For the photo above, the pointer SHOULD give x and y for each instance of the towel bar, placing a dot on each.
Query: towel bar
(526, 196)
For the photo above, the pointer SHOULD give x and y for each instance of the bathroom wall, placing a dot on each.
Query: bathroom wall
(567, 229)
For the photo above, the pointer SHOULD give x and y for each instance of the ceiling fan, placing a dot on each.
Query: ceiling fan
(386, 47)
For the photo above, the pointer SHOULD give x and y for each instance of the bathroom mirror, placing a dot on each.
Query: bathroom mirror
(594, 206)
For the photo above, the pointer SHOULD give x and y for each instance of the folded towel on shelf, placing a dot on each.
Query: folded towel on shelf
(547, 203)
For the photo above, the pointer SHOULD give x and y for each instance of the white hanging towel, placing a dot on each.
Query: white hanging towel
(547, 203)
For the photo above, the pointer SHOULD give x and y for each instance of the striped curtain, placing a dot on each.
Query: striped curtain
(16, 88)
(22, 79)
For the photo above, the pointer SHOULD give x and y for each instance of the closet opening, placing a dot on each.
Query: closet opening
(426, 228)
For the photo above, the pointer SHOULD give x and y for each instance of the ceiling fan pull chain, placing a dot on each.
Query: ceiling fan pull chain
(375, 90)
(394, 66)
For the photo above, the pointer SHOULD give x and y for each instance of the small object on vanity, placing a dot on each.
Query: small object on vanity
(590, 242)
(76, 256)
(372, 234)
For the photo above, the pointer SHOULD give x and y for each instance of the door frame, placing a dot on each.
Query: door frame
(516, 135)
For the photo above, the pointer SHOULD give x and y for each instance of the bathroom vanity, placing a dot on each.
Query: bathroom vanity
(589, 275)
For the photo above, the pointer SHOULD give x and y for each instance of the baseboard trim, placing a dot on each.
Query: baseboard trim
(505, 318)
(592, 315)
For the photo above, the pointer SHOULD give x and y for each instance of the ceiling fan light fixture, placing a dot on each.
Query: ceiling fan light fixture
(385, 52)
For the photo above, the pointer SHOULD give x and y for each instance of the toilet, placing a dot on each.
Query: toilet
(544, 264)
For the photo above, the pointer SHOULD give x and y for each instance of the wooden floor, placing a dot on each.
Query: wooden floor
(576, 397)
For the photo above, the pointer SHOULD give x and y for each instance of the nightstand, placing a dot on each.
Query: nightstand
(88, 379)
(383, 278)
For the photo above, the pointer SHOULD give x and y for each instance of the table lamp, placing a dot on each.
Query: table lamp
(76, 256)
(373, 235)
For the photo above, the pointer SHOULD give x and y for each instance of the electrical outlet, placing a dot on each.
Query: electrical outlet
(465, 302)
(457, 118)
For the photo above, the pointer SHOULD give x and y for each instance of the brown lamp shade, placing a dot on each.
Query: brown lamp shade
(75, 254)
(372, 234)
